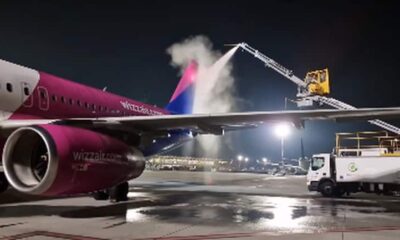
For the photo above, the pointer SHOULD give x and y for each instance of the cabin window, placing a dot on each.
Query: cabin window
(54, 98)
(87, 105)
(62, 99)
(9, 87)
(94, 107)
(71, 101)
(42, 94)
(317, 163)
(26, 91)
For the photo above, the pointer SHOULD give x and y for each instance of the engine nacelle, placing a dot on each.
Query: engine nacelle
(59, 160)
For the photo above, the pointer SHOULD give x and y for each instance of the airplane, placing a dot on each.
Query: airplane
(61, 138)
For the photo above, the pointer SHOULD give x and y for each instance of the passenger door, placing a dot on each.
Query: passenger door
(43, 98)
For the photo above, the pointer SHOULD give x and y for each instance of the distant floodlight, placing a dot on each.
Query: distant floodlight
(282, 130)
(264, 160)
(240, 157)
(246, 159)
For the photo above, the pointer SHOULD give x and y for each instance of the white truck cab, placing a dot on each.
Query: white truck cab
(319, 169)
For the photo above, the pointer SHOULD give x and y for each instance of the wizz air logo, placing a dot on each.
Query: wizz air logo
(83, 160)
(140, 109)
(96, 156)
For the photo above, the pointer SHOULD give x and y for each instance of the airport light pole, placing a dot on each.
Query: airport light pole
(282, 130)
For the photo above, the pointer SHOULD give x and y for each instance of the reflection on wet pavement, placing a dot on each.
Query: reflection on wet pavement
(256, 212)
(216, 209)
(261, 212)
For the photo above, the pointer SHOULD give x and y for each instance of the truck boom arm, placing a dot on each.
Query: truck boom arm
(274, 65)
(302, 87)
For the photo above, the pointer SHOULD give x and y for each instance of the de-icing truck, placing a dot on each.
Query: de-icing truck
(361, 162)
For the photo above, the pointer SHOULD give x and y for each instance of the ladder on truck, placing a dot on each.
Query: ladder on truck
(305, 97)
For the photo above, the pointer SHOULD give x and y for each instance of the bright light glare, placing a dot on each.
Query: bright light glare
(134, 215)
(240, 157)
(282, 130)
(246, 159)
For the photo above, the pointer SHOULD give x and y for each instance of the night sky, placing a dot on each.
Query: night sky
(122, 45)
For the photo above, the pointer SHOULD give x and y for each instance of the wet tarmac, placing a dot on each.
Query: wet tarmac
(186, 205)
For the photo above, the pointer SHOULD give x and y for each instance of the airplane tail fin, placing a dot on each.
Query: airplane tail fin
(182, 100)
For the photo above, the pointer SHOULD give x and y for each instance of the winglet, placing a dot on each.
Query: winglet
(182, 100)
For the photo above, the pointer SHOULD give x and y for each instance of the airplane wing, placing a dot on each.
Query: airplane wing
(212, 123)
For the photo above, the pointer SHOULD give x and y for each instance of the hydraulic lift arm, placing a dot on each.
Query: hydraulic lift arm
(274, 65)
(310, 94)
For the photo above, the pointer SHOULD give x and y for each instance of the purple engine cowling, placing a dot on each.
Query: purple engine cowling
(61, 160)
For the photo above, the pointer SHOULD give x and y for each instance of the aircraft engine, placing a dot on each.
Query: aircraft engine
(61, 160)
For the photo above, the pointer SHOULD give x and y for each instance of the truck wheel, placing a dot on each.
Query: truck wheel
(327, 189)
(119, 193)
(3, 183)
(339, 192)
